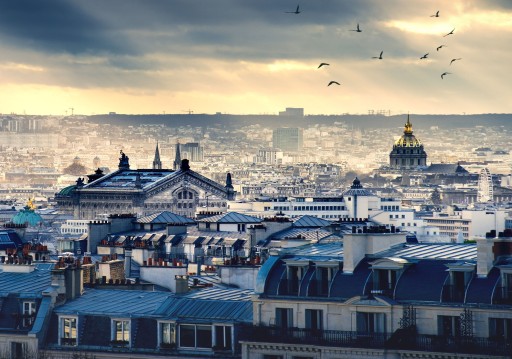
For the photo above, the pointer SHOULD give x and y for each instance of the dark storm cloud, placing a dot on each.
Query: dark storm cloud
(54, 26)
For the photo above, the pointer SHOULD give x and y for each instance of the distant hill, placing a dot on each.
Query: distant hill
(274, 121)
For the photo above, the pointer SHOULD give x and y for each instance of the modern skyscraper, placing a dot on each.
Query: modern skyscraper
(287, 139)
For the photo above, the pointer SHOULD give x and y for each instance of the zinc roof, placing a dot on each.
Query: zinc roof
(29, 284)
(446, 251)
(310, 221)
(231, 217)
(165, 217)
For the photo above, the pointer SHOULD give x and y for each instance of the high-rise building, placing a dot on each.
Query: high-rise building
(193, 151)
(407, 152)
(287, 139)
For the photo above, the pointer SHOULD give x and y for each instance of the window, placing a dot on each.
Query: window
(223, 337)
(448, 325)
(121, 331)
(284, 317)
(195, 336)
(68, 331)
(371, 322)
(314, 319)
(500, 328)
(167, 333)
(29, 311)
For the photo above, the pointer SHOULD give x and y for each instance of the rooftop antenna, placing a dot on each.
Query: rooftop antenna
(189, 111)
(72, 109)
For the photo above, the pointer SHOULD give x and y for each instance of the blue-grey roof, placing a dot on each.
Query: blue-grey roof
(219, 293)
(207, 310)
(120, 303)
(332, 249)
(442, 251)
(125, 179)
(165, 217)
(26, 284)
(9, 239)
(422, 281)
(310, 221)
(480, 290)
(232, 217)
(312, 234)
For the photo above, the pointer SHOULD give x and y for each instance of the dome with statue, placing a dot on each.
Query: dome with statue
(408, 151)
(28, 215)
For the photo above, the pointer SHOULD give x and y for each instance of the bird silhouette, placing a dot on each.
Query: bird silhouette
(435, 15)
(440, 47)
(358, 29)
(333, 83)
(297, 11)
(424, 56)
(450, 33)
(378, 57)
(444, 74)
(460, 58)
(323, 64)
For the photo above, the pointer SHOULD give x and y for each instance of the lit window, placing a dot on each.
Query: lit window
(167, 333)
(29, 311)
(121, 331)
(68, 331)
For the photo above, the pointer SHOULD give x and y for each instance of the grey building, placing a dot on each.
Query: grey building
(287, 139)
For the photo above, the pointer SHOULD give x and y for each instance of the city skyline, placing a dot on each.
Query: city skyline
(65, 57)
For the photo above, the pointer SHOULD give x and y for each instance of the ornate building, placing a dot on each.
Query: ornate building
(408, 152)
(144, 192)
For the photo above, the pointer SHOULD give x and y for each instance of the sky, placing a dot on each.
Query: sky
(252, 57)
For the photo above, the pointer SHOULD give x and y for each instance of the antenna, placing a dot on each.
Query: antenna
(72, 109)
(189, 111)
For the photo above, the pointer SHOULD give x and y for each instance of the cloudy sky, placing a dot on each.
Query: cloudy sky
(251, 57)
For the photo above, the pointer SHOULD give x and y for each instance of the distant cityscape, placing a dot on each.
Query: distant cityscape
(267, 237)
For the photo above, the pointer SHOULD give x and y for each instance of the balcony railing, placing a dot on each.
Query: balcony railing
(453, 293)
(503, 295)
(400, 340)
(313, 337)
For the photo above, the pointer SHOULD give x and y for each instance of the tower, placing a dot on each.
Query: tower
(177, 158)
(157, 164)
(407, 152)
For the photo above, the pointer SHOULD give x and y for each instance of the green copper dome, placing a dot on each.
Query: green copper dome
(27, 215)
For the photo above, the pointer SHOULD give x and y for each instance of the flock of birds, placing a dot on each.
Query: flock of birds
(358, 29)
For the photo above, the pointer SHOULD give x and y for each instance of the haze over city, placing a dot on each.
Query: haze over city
(254, 57)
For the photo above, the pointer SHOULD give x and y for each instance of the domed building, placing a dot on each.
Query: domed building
(408, 152)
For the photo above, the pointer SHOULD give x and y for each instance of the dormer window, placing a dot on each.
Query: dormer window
(322, 278)
(460, 275)
(295, 270)
(386, 273)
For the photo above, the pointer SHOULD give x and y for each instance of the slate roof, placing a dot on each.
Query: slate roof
(310, 221)
(125, 179)
(120, 303)
(9, 239)
(445, 168)
(165, 217)
(26, 284)
(440, 251)
(231, 217)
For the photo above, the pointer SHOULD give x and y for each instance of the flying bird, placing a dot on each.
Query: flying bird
(440, 47)
(333, 83)
(444, 74)
(378, 57)
(323, 64)
(358, 29)
(460, 58)
(297, 11)
(424, 56)
(435, 15)
(450, 33)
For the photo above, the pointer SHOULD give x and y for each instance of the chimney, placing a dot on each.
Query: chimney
(484, 256)
(181, 284)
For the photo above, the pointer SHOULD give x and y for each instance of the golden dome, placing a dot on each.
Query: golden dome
(408, 139)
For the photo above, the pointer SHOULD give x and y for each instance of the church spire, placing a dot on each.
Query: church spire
(157, 164)
(177, 158)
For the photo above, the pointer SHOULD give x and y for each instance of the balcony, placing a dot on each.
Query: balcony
(453, 293)
(266, 334)
(503, 295)
(401, 340)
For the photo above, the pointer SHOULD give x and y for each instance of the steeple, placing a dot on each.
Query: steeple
(157, 164)
(408, 127)
(177, 158)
